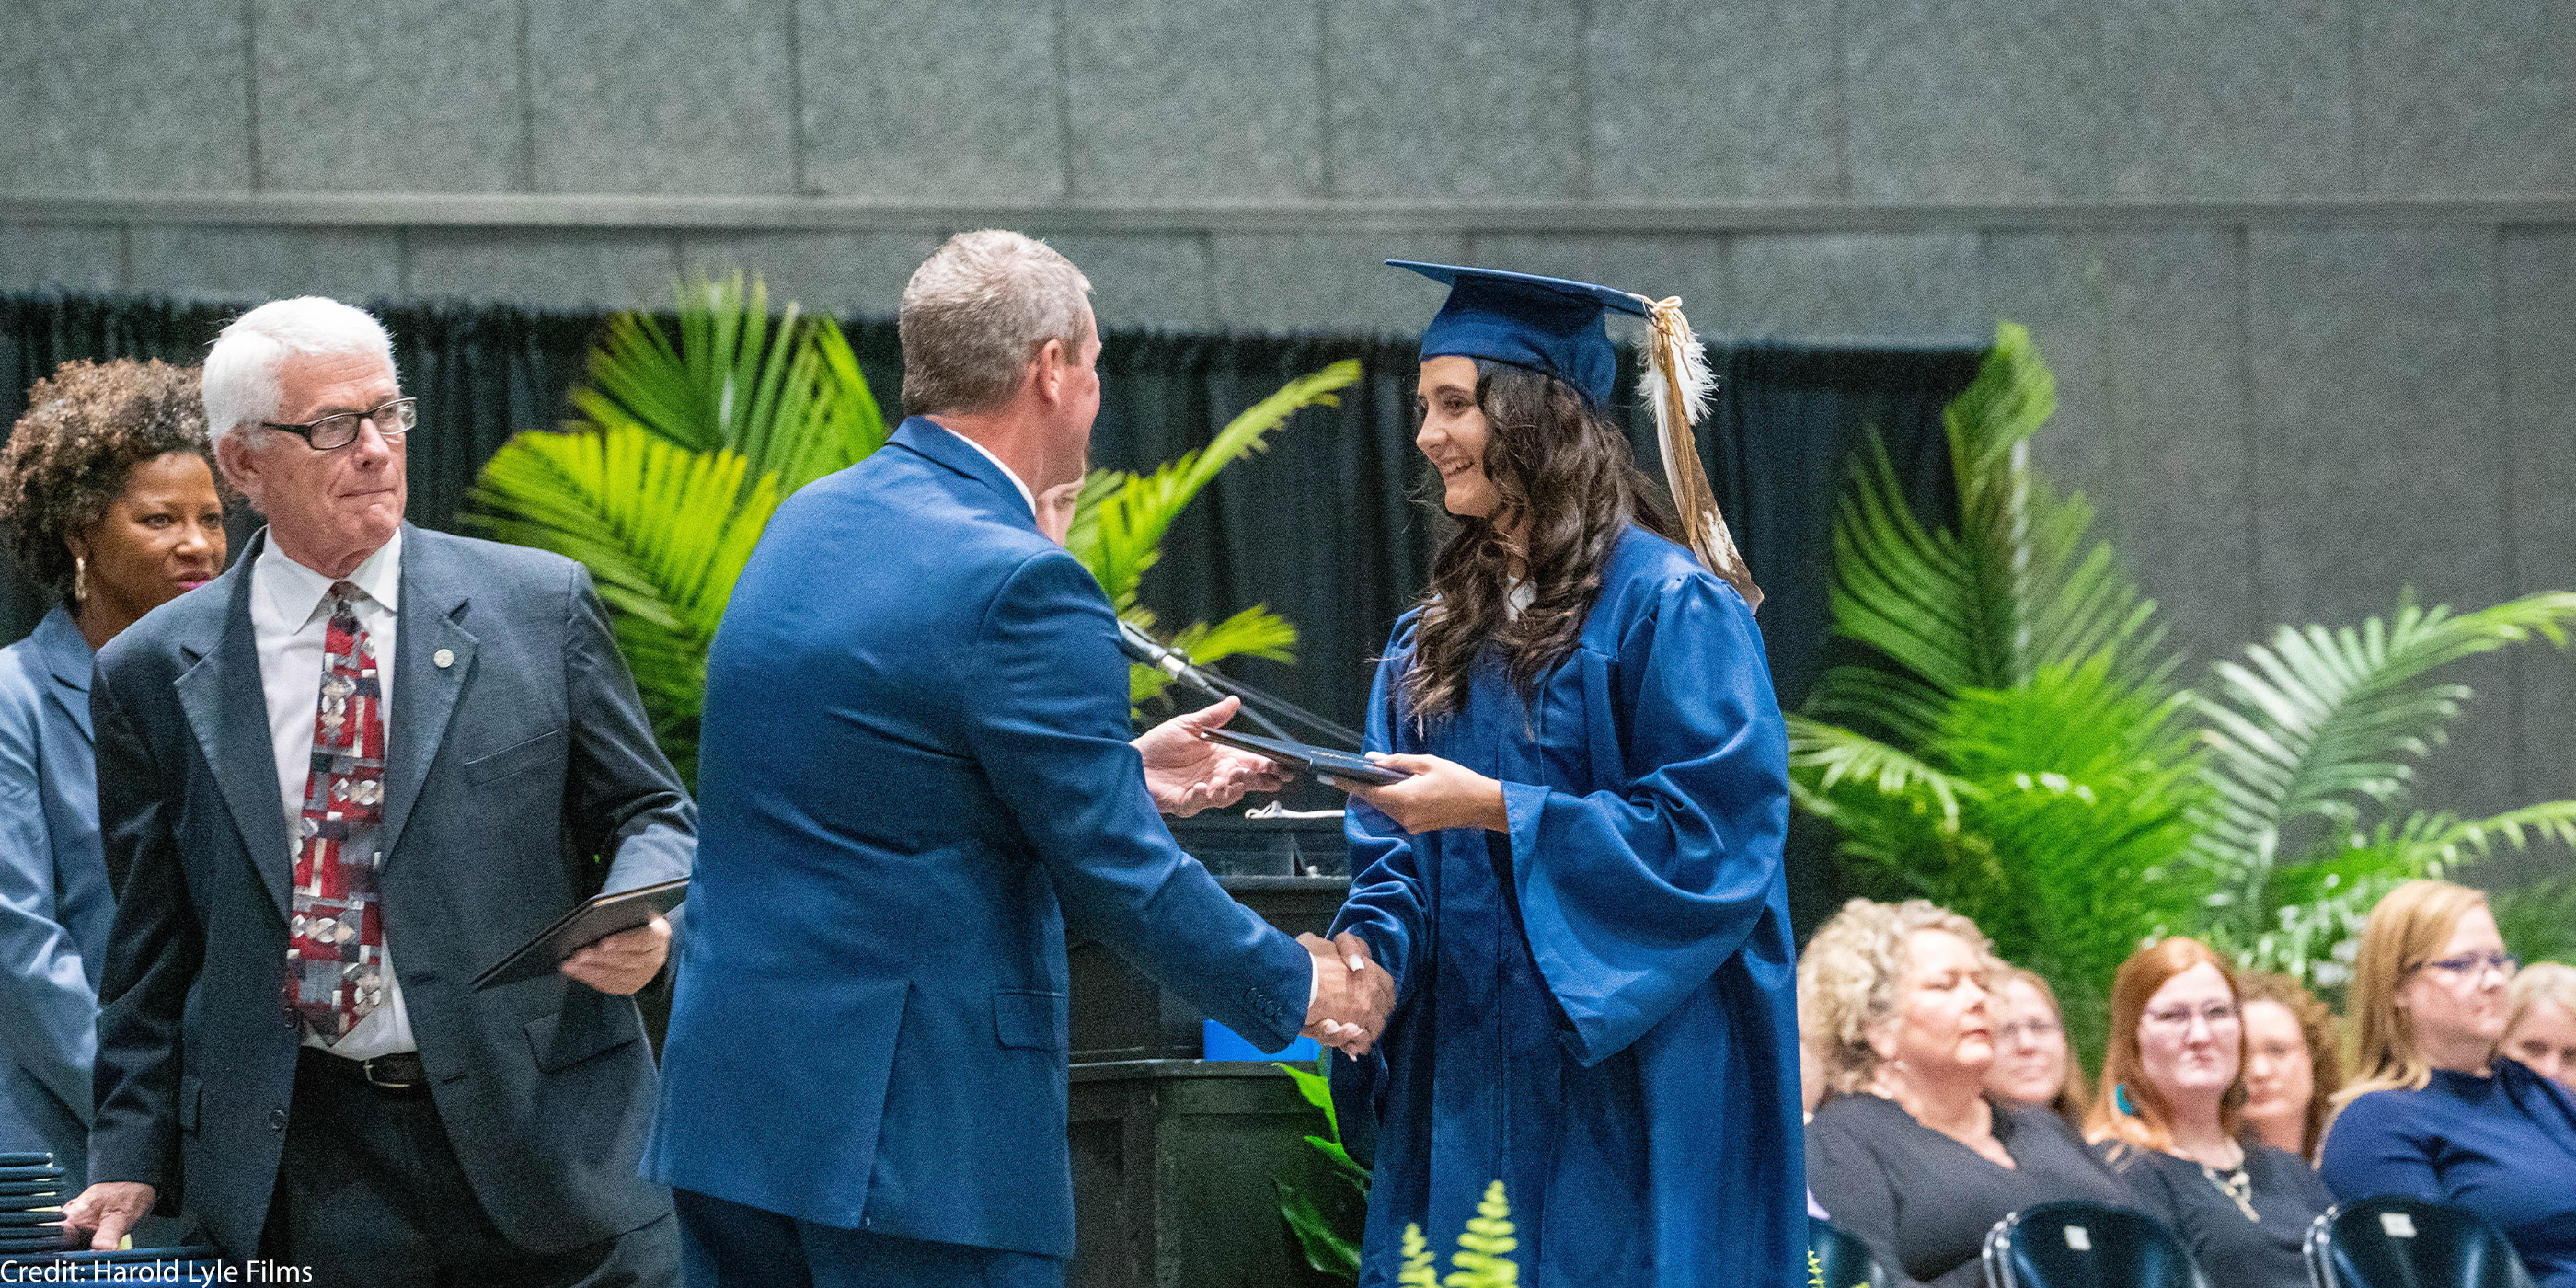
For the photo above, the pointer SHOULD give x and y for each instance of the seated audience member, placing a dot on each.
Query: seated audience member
(2033, 1065)
(108, 497)
(2433, 1113)
(2292, 1064)
(2169, 1122)
(1908, 1153)
(2540, 1021)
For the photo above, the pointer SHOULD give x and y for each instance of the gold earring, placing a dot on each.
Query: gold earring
(80, 579)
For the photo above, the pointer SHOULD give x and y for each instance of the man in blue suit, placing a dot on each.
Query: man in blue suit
(915, 769)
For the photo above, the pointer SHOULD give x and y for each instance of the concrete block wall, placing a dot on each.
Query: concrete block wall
(2307, 270)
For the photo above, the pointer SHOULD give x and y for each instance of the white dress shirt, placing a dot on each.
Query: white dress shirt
(1025, 493)
(289, 617)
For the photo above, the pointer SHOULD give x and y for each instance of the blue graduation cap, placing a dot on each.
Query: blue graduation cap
(1554, 325)
(1548, 324)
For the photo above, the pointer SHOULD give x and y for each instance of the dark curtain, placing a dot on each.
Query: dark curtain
(1332, 527)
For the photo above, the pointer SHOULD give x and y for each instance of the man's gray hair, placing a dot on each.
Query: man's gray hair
(977, 310)
(240, 385)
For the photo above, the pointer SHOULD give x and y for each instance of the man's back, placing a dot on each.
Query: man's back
(914, 765)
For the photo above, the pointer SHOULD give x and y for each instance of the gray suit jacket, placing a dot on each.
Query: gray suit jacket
(523, 778)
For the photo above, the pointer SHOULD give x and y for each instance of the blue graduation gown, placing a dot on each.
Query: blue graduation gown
(1599, 1007)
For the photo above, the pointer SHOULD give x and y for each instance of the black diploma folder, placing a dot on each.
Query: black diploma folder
(1323, 762)
(590, 921)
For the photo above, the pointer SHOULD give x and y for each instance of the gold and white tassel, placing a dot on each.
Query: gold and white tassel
(1677, 374)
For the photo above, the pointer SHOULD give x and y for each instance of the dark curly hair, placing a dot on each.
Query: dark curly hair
(1560, 462)
(86, 428)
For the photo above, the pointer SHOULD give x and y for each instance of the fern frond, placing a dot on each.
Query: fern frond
(2323, 725)
(1823, 756)
(1120, 519)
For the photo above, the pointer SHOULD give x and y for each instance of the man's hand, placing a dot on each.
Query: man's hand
(623, 962)
(1186, 773)
(1353, 994)
(105, 1212)
(1441, 794)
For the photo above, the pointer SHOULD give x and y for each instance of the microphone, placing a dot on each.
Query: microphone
(1145, 650)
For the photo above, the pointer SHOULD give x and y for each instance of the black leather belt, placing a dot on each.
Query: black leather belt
(401, 1071)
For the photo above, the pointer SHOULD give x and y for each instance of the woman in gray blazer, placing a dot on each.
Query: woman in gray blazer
(108, 498)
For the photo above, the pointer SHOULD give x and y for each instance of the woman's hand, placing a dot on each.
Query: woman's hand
(1441, 793)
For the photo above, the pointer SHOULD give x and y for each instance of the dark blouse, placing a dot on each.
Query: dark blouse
(1922, 1201)
(2504, 1145)
(2230, 1248)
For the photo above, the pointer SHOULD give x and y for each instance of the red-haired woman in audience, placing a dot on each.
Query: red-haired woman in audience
(2434, 1113)
(2170, 1121)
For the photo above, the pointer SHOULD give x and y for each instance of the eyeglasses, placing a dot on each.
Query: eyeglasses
(331, 433)
(2040, 1028)
(2178, 1018)
(2504, 964)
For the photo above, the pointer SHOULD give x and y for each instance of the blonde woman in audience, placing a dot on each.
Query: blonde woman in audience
(2292, 1066)
(2432, 1113)
(2033, 1064)
(2170, 1121)
(2540, 1021)
(1909, 1152)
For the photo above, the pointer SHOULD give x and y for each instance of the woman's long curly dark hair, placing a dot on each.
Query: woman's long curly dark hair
(1564, 466)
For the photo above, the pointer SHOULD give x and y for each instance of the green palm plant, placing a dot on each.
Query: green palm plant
(685, 447)
(1122, 518)
(2314, 740)
(2012, 743)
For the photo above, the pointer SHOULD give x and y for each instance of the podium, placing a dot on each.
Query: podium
(1175, 1157)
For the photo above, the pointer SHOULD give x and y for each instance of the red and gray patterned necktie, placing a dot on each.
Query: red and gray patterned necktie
(336, 935)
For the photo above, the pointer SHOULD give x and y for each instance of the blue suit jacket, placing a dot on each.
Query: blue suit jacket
(522, 777)
(915, 767)
(54, 901)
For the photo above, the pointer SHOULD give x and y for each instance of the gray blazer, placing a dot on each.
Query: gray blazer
(54, 902)
(523, 778)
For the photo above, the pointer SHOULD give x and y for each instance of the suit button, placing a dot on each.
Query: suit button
(277, 1120)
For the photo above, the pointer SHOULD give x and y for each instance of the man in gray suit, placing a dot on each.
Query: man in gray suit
(335, 784)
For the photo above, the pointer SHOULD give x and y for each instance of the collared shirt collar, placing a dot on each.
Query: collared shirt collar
(1007, 473)
(296, 592)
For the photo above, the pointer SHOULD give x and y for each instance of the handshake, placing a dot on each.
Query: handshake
(1353, 994)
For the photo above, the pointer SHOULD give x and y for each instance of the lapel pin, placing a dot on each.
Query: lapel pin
(443, 658)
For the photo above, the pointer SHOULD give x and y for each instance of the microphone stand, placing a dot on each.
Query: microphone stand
(1146, 650)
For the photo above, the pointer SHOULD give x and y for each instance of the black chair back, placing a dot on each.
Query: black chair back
(1846, 1261)
(2393, 1242)
(2074, 1244)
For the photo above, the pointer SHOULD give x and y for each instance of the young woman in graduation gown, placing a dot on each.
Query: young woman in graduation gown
(1579, 892)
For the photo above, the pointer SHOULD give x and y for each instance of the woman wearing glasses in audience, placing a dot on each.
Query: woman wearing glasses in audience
(107, 493)
(2292, 1065)
(2033, 1064)
(2434, 1113)
(2170, 1121)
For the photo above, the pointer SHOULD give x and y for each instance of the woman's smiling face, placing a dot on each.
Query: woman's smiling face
(1453, 434)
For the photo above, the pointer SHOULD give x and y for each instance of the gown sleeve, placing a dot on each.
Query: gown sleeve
(1387, 906)
(1632, 896)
